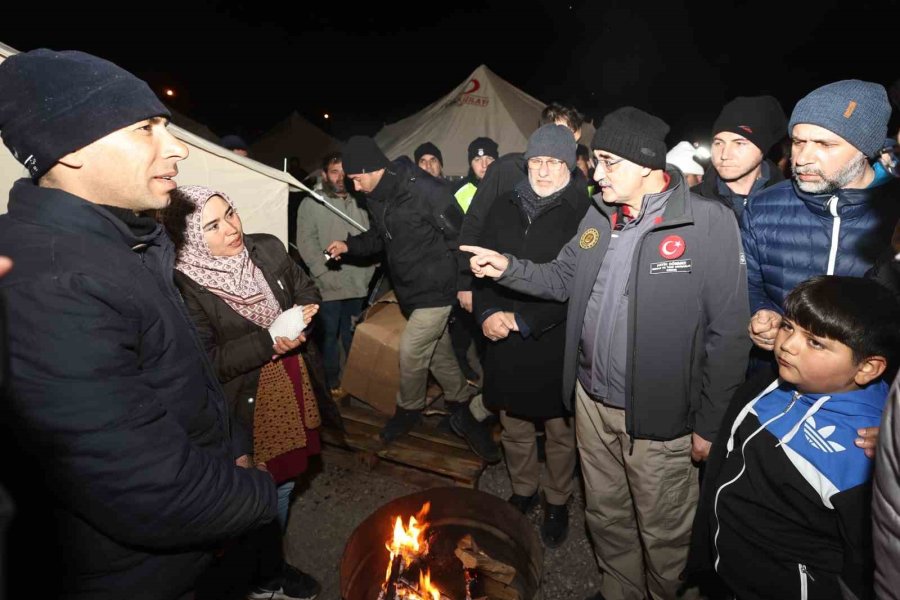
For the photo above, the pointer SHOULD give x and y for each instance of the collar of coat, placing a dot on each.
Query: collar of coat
(850, 202)
(678, 209)
(50, 207)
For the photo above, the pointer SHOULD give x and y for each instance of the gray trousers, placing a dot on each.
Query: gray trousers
(425, 344)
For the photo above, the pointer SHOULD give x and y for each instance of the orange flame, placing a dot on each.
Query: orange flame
(409, 543)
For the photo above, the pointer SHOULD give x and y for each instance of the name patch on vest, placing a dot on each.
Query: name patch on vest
(671, 266)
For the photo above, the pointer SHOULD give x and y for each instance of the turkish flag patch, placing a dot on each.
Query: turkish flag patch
(671, 247)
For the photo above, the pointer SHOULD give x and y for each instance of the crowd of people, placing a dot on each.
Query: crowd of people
(713, 347)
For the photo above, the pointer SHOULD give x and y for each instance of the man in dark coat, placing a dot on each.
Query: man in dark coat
(502, 177)
(115, 416)
(415, 222)
(744, 132)
(657, 291)
(524, 363)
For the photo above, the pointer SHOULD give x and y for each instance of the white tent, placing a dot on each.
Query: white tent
(482, 105)
(294, 136)
(259, 192)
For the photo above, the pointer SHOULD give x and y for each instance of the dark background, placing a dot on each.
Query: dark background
(240, 67)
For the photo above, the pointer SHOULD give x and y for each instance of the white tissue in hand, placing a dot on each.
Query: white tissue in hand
(289, 324)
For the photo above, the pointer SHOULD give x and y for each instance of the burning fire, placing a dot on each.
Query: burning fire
(407, 545)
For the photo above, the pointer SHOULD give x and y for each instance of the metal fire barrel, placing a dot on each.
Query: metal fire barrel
(496, 526)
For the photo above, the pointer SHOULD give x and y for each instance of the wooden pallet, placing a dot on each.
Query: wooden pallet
(425, 448)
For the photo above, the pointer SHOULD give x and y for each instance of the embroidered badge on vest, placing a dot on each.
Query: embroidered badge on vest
(589, 239)
(672, 247)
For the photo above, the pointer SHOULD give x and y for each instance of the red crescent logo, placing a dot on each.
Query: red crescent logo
(671, 247)
(475, 86)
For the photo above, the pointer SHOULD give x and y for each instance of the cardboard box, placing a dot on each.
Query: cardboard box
(372, 371)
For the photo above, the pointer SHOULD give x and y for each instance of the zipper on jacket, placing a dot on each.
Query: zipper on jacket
(387, 232)
(804, 584)
(835, 233)
(279, 284)
(741, 473)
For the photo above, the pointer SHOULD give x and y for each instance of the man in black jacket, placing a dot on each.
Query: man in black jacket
(128, 475)
(415, 222)
(743, 133)
(655, 347)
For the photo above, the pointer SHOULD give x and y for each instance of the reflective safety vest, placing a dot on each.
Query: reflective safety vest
(465, 194)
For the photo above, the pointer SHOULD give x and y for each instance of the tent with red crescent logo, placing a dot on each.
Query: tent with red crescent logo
(483, 104)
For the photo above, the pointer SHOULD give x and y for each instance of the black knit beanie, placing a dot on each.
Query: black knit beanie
(482, 146)
(362, 155)
(53, 103)
(760, 119)
(428, 148)
(634, 135)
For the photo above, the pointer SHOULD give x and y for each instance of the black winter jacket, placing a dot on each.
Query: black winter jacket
(523, 374)
(121, 431)
(238, 347)
(709, 187)
(415, 222)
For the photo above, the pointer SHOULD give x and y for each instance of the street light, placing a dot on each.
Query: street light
(169, 92)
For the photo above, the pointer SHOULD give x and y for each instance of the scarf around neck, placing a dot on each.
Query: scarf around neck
(234, 279)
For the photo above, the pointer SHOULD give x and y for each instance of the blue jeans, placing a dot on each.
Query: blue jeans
(335, 320)
(284, 502)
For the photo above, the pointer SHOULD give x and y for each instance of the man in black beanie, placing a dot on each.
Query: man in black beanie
(655, 347)
(744, 132)
(415, 222)
(132, 477)
(429, 158)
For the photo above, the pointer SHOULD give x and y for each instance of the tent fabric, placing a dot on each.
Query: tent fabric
(294, 136)
(482, 105)
(260, 193)
(195, 127)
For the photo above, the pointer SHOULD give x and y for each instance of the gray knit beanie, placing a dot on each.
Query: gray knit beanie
(554, 141)
(858, 111)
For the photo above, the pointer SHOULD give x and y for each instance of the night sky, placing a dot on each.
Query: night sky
(243, 66)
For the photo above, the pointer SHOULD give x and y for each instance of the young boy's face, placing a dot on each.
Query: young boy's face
(815, 364)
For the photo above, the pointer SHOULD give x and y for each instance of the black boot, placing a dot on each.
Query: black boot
(555, 525)
(477, 434)
(400, 424)
(523, 503)
(452, 408)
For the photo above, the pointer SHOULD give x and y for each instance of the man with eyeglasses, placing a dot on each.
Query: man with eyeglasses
(655, 346)
(474, 424)
(523, 360)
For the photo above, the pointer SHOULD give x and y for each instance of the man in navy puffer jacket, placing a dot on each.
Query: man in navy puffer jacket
(831, 218)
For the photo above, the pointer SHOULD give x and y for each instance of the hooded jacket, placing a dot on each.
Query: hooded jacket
(415, 222)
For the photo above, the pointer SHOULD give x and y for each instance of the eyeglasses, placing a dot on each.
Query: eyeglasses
(608, 164)
(553, 164)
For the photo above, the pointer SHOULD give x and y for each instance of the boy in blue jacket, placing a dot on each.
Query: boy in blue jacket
(785, 507)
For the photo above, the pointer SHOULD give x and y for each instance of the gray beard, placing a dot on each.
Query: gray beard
(848, 174)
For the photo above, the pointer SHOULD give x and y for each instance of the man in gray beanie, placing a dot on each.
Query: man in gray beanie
(834, 217)
(654, 348)
(523, 359)
(134, 471)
